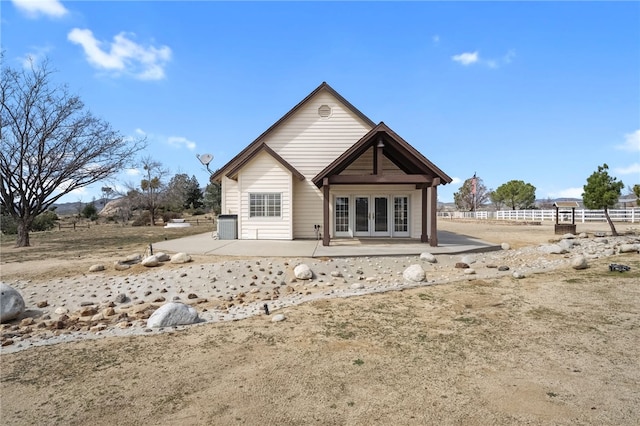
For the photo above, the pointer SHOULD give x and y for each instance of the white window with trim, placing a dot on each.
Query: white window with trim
(265, 204)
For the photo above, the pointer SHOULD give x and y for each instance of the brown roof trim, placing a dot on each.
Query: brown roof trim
(231, 174)
(363, 144)
(217, 175)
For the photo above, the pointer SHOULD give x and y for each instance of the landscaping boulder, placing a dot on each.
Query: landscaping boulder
(180, 258)
(468, 259)
(96, 268)
(566, 244)
(162, 257)
(414, 273)
(303, 272)
(172, 314)
(428, 257)
(150, 261)
(552, 249)
(11, 303)
(579, 262)
(629, 248)
(278, 318)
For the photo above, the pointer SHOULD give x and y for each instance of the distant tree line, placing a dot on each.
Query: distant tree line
(158, 197)
(601, 192)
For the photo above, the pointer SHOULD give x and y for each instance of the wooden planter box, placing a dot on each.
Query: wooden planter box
(565, 228)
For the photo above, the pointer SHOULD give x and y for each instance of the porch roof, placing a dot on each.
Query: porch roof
(417, 168)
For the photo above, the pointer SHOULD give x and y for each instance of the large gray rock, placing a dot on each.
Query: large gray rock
(629, 248)
(552, 249)
(150, 261)
(414, 273)
(11, 303)
(171, 314)
(428, 257)
(180, 258)
(96, 268)
(303, 272)
(566, 244)
(579, 262)
(162, 257)
(468, 259)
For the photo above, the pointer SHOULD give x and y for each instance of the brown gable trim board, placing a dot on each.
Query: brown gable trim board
(233, 173)
(399, 151)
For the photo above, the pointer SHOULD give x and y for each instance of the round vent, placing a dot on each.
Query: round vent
(324, 111)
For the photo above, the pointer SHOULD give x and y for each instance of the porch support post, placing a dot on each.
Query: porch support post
(433, 210)
(424, 237)
(325, 212)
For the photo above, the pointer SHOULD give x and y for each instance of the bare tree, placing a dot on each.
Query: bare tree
(464, 198)
(152, 186)
(50, 144)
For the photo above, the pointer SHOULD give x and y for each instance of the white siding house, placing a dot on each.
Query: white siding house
(325, 170)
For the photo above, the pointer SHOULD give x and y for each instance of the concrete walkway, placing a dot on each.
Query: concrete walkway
(204, 244)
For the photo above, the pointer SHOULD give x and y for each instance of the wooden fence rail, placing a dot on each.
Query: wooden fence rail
(72, 225)
(631, 215)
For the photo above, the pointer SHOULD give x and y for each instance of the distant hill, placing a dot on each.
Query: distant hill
(66, 209)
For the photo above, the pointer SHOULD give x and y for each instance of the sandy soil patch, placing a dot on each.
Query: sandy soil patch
(556, 347)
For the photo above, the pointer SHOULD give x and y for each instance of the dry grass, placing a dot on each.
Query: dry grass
(78, 249)
(555, 348)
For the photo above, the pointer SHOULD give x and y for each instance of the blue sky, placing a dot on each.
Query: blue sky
(542, 92)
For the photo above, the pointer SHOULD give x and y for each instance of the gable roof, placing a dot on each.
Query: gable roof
(246, 154)
(396, 149)
(256, 149)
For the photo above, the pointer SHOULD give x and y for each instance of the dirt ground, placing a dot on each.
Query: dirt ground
(557, 348)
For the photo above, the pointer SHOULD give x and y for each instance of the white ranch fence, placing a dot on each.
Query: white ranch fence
(631, 215)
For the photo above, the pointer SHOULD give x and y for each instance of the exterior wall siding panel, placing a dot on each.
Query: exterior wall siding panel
(230, 200)
(264, 174)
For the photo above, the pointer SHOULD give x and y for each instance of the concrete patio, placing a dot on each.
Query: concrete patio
(205, 244)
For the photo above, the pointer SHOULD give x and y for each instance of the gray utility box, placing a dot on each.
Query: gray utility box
(228, 226)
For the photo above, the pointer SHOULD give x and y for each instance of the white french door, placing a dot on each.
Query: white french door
(371, 216)
(400, 216)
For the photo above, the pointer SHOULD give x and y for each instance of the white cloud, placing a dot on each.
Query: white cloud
(35, 8)
(567, 193)
(455, 181)
(629, 170)
(469, 58)
(466, 58)
(179, 141)
(123, 55)
(132, 172)
(631, 142)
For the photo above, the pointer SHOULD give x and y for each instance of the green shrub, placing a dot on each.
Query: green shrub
(8, 225)
(90, 211)
(44, 221)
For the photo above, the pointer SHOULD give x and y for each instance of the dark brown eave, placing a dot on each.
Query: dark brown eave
(396, 149)
(257, 149)
(217, 175)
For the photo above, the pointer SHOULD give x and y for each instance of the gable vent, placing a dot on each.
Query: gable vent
(324, 111)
